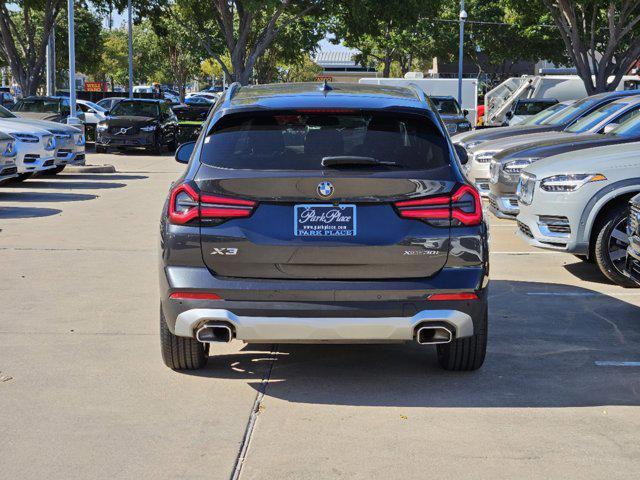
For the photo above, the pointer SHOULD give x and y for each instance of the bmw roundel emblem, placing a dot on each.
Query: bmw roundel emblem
(325, 189)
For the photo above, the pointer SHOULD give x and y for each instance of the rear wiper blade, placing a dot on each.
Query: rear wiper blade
(354, 161)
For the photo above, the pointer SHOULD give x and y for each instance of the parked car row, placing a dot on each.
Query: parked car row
(567, 179)
(31, 146)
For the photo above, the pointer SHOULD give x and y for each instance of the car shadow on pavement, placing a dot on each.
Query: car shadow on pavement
(67, 185)
(100, 176)
(587, 271)
(44, 197)
(544, 342)
(27, 212)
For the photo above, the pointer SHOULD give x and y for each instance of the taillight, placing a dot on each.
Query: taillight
(187, 204)
(463, 206)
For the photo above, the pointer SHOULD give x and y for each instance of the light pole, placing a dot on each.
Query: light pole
(463, 18)
(72, 119)
(51, 62)
(130, 49)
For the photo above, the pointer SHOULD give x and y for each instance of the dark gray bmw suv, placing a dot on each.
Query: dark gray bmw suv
(323, 213)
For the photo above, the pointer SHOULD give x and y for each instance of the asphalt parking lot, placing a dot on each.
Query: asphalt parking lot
(84, 393)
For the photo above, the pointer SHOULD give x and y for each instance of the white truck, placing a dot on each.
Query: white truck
(439, 87)
(500, 100)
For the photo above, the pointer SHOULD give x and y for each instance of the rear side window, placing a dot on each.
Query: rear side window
(301, 140)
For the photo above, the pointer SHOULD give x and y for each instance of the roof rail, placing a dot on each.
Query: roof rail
(231, 91)
(420, 94)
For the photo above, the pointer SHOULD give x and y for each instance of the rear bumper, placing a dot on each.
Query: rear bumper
(332, 311)
(322, 329)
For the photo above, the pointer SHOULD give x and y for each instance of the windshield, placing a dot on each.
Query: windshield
(569, 113)
(300, 141)
(95, 106)
(446, 106)
(37, 105)
(630, 127)
(552, 110)
(135, 109)
(530, 108)
(594, 118)
(4, 113)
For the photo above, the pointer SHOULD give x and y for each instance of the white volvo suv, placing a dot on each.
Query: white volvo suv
(35, 148)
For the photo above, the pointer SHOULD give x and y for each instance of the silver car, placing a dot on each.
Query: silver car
(35, 148)
(70, 141)
(577, 203)
(602, 119)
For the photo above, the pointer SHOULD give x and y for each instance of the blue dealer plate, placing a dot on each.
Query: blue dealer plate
(324, 220)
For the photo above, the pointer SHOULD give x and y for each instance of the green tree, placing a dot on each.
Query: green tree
(244, 29)
(25, 27)
(384, 32)
(89, 41)
(601, 37)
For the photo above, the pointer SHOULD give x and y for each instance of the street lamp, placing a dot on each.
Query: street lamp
(130, 49)
(72, 119)
(463, 18)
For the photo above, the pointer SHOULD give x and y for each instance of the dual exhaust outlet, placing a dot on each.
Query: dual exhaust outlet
(425, 335)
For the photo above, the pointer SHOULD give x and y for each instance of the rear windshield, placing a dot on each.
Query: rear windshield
(300, 141)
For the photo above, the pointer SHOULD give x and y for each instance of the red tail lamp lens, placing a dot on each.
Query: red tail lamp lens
(463, 205)
(453, 296)
(186, 204)
(194, 296)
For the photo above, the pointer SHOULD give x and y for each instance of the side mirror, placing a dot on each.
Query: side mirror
(462, 153)
(609, 128)
(184, 151)
(509, 115)
(465, 112)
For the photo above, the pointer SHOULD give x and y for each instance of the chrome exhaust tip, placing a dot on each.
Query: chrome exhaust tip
(214, 333)
(433, 335)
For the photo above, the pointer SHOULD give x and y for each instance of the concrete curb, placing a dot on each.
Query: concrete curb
(90, 169)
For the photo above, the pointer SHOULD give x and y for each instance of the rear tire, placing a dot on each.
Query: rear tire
(180, 353)
(466, 354)
(100, 149)
(610, 246)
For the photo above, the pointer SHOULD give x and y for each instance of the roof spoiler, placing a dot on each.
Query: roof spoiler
(231, 91)
(420, 94)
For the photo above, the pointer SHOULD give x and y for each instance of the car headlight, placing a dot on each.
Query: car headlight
(516, 166)
(149, 128)
(60, 135)
(483, 157)
(10, 150)
(26, 137)
(80, 140)
(569, 183)
(102, 127)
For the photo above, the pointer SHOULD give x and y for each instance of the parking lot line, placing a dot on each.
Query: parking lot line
(611, 363)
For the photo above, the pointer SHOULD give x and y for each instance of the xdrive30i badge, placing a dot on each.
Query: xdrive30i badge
(224, 251)
(325, 189)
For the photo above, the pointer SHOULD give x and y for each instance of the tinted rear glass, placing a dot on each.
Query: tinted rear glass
(446, 106)
(300, 141)
(38, 105)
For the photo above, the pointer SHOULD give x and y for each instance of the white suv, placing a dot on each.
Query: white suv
(8, 169)
(35, 148)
